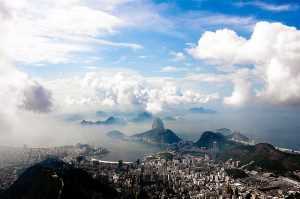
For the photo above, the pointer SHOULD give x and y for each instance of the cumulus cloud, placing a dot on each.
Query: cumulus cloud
(36, 98)
(242, 93)
(223, 46)
(125, 91)
(22, 99)
(177, 56)
(275, 58)
(19, 91)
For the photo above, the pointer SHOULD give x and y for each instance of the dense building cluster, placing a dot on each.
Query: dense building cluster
(167, 174)
(187, 177)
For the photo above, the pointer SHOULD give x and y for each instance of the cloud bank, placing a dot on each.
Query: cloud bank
(273, 50)
(125, 90)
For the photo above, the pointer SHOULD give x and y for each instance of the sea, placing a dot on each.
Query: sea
(128, 151)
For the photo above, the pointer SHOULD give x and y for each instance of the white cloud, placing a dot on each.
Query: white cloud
(227, 68)
(124, 91)
(173, 69)
(207, 20)
(110, 5)
(18, 91)
(275, 57)
(50, 31)
(209, 77)
(21, 92)
(146, 15)
(270, 7)
(223, 45)
(90, 67)
(122, 59)
(154, 107)
(177, 56)
(243, 73)
(242, 93)
(119, 44)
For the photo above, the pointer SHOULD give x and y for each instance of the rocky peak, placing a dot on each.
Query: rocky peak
(158, 124)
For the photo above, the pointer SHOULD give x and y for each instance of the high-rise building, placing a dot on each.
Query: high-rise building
(214, 149)
(120, 163)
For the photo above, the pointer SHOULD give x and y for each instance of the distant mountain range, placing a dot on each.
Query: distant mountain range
(201, 110)
(159, 134)
(109, 121)
(52, 179)
(169, 118)
(143, 117)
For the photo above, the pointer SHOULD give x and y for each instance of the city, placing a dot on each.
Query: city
(167, 174)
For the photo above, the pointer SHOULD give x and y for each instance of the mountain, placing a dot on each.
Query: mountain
(224, 131)
(201, 110)
(169, 118)
(115, 134)
(238, 137)
(55, 179)
(109, 121)
(265, 156)
(84, 122)
(143, 117)
(158, 124)
(113, 121)
(159, 134)
(208, 138)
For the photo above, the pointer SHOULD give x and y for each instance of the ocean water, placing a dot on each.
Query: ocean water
(127, 150)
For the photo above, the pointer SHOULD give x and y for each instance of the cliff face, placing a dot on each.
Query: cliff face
(158, 124)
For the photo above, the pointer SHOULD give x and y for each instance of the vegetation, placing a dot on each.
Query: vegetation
(51, 177)
(166, 155)
(115, 134)
(160, 136)
(207, 138)
(265, 156)
(236, 173)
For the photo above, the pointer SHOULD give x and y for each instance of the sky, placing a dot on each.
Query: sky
(68, 57)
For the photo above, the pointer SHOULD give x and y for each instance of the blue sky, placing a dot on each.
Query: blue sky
(177, 23)
(217, 54)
